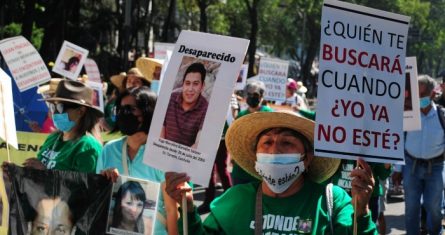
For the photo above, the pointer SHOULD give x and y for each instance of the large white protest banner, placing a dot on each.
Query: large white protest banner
(92, 71)
(161, 49)
(273, 72)
(188, 119)
(411, 108)
(7, 119)
(70, 60)
(361, 83)
(24, 62)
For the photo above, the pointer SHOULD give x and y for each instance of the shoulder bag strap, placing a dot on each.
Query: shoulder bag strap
(124, 157)
(330, 204)
(259, 212)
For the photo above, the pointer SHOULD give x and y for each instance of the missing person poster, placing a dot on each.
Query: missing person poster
(98, 97)
(242, 78)
(57, 202)
(92, 71)
(133, 205)
(188, 119)
(7, 120)
(26, 66)
(411, 108)
(162, 48)
(361, 83)
(70, 60)
(273, 72)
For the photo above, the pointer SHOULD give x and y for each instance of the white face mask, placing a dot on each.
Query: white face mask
(278, 176)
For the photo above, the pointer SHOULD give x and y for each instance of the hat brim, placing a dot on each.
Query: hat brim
(147, 66)
(242, 136)
(96, 110)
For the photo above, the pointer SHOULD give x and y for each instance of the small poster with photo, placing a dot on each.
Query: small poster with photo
(188, 119)
(133, 206)
(98, 98)
(411, 107)
(92, 70)
(242, 77)
(70, 60)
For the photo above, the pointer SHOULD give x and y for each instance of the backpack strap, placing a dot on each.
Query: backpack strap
(330, 205)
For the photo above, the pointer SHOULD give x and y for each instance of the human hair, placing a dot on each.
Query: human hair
(87, 123)
(196, 68)
(255, 86)
(278, 130)
(71, 61)
(137, 193)
(428, 82)
(50, 205)
(145, 101)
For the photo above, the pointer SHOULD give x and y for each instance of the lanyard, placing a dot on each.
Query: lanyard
(124, 157)
(259, 211)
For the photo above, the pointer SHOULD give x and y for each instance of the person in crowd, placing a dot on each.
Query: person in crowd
(133, 78)
(125, 155)
(254, 92)
(53, 216)
(381, 221)
(151, 68)
(292, 98)
(424, 163)
(220, 166)
(440, 100)
(129, 207)
(276, 148)
(75, 146)
(187, 108)
(301, 91)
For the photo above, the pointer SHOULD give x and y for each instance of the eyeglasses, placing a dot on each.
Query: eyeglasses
(62, 107)
(127, 109)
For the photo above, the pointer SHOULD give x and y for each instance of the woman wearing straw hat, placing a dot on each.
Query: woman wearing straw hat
(133, 78)
(73, 147)
(277, 147)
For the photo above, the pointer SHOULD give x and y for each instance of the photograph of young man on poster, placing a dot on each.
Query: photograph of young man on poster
(188, 103)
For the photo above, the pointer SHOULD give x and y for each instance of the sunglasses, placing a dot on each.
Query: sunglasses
(62, 107)
(127, 109)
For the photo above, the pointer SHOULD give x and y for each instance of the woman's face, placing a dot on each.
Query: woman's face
(131, 207)
(133, 81)
(131, 101)
(274, 142)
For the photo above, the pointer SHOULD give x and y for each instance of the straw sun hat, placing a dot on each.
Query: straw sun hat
(117, 79)
(242, 136)
(148, 66)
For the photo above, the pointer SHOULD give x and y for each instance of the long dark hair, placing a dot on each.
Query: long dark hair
(145, 101)
(137, 193)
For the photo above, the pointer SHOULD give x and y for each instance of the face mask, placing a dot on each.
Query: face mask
(154, 86)
(424, 102)
(287, 158)
(63, 122)
(279, 177)
(128, 123)
(253, 101)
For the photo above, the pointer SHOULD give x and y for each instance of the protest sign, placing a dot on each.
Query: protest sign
(49, 201)
(98, 97)
(273, 73)
(70, 60)
(7, 120)
(188, 119)
(24, 62)
(242, 77)
(361, 83)
(144, 195)
(92, 71)
(411, 109)
(162, 48)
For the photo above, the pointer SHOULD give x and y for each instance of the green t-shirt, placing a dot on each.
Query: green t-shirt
(72, 155)
(301, 213)
(237, 171)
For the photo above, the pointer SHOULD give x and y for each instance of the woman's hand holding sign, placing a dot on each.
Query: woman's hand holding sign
(176, 187)
(362, 187)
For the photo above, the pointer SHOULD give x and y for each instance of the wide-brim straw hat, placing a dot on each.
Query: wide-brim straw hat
(118, 79)
(301, 87)
(50, 88)
(75, 92)
(242, 137)
(148, 66)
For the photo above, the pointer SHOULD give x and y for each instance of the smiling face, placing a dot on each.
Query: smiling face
(192, 88)
(53, 218)
(133, 81)
(131, 207)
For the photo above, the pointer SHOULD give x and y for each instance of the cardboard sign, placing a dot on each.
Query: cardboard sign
(273, 73)
(7, 119)
(70, 60)
(24, 62)
(162, 48)
(361, 83)
(188, 119)
(98, 97)
(411, 108)
(92, 71)
(143, 195)
(242, 77)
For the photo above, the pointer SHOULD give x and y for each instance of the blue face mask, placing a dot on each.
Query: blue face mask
(63, 122)
(424, 102)
(281, 159)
